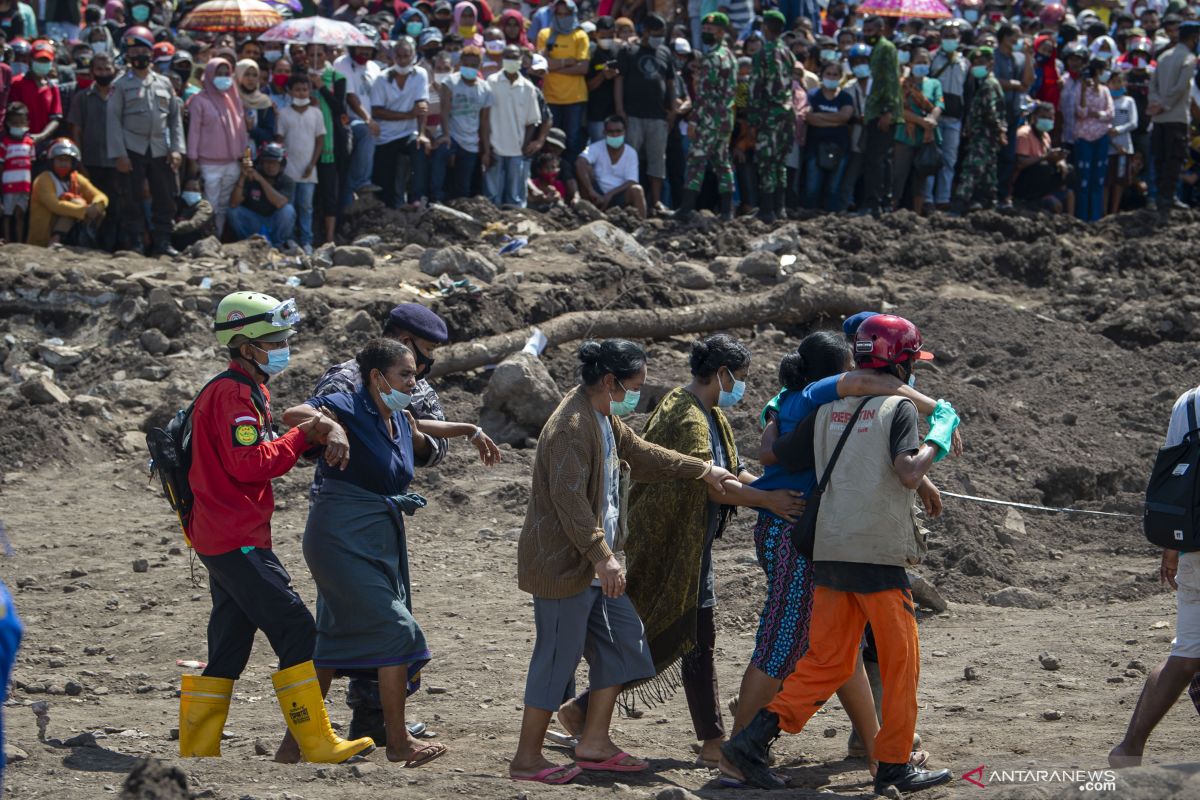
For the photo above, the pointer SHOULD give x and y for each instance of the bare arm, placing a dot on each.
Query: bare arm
(868, 383)
(912, 467)
(766, 455)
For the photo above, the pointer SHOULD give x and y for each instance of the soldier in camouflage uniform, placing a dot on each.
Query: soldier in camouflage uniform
(710, 129)
(986, 131)
(772, 115)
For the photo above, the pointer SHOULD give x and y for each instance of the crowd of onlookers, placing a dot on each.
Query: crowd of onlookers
(124, 130)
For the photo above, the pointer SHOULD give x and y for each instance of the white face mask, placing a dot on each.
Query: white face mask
(512, 65)
(300, 102)
(403, 70)
(99, 47)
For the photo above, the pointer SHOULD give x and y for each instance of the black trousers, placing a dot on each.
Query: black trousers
(253, 592)
(1168, 143)
(877, 166)
(108, 180)
(699, 670)
(393, 167)
(161, 179)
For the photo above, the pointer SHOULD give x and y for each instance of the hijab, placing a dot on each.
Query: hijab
(255, 100)
(1048, 86)
(522, 40)
(460, 9)
(228, 137)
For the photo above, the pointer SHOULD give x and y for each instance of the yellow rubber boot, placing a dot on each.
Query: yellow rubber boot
(203, 707)
(304, 711)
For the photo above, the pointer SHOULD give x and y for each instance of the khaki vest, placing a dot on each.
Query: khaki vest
(867, 515)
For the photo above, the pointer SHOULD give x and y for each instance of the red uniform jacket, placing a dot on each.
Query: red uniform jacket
(233, 463)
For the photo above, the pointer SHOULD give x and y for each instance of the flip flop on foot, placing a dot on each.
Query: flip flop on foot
(423, 755)
(615, 764)
(552, 775)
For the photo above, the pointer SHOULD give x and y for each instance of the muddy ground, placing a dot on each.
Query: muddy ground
(1062, 346)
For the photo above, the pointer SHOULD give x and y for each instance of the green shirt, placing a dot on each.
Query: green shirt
(327, 77)
(885, 81)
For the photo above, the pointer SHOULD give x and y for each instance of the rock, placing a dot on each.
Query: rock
(164, 312)
(761, 264)
(371, 240)
(140, 565)
(130, 310)
(675, 793)
(353, 256)
(132, 443)
(58, 356)
(151, 779)
(88, 405)
(1049, 662)
(73, 688)
(155, 342)
(411, 252)
(1051, 715)
(261, 748)
(435, 690)
(692, 276)
(1017, 597)
(1013, 521)
(455, 261)
(151, 372)
(830, 733)
(364, 769)
(208, 247)
(362, 322)
(43, 391)
(614, 237)
(926, 594)
(970, 674)
(14, 754)
(775, 241)
(314, 278)
(519, 398)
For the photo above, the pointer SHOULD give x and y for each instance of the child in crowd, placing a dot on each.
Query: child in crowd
(1120, 152)
(194, 218)
(301, 128)
(546, 189)
(16, 154)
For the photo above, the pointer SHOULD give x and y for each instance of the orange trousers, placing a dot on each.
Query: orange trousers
(838, 621)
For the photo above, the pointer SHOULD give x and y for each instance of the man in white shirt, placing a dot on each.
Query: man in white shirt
(608, 171)
(517, 130)
(467, 104)
(400, 104)
(361, 71)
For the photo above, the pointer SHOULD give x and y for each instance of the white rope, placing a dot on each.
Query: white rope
(1031, 507)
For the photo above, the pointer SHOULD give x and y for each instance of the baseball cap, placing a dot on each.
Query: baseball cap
(557, 138)
(682, 47)
(43, 48)
(539, 62)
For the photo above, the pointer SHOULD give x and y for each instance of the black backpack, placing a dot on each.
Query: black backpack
(1172, 508)
(171, 450)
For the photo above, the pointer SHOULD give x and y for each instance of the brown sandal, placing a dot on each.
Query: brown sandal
(420, 760)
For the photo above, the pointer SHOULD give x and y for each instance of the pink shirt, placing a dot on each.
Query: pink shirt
(1094, 118)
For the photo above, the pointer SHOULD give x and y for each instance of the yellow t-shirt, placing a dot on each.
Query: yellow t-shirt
(561, 90)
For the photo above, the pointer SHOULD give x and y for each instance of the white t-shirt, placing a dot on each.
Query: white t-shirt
(387, 93)
(1179, 418)
(467, 100)
(359, 79)
(514, 108)
(300, 131)
(608, 175)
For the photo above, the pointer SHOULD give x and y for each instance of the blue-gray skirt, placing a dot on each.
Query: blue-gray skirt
(356, 550)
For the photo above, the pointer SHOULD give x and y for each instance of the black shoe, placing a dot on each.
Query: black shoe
(164, 249)
(726, 206)
(907, 778)
(1179, 205)
(749, 751)
(368, 722)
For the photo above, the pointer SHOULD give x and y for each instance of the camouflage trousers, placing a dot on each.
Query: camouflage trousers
(978, 179)
(711, 147)
(775, 140)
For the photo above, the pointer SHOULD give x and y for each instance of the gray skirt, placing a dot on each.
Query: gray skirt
(355, 548)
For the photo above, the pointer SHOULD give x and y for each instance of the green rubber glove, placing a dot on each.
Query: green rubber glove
(942, 424)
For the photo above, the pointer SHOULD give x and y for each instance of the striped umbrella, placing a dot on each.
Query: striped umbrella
(232, 16)
(317, 30)
(922, 9)
(291, 6)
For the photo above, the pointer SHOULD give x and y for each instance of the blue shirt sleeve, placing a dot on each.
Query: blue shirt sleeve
(818, 393)
(341, 403)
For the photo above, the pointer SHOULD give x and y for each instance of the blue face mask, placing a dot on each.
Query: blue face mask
(862, 70)
(1117, 92)
(920, 70)
(830, 83)
(912, 379)
(468, 73)
(277, 360)
(904, 56)
(190, 198)
(626, 406)
(414, 29)
(394, 399)
(727, 399)
(565, 24)
(222, 83)
(615, 142)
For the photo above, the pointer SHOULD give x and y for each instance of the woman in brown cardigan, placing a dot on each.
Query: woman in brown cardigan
(565, 558)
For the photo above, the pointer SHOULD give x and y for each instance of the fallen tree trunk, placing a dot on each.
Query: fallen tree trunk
(793, 302)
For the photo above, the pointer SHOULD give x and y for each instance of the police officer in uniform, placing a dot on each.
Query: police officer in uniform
(145, 136)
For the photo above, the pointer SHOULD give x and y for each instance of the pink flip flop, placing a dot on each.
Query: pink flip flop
(569, 774)
(613, 764)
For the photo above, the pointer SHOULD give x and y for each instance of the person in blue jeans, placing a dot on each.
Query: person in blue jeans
(466, 103)
(1093, 113)
(259, 203)
(828, 146)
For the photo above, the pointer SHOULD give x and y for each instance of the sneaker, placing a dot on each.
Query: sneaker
(369, 188)
(308, 251)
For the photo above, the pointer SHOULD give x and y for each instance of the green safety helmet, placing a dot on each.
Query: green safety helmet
(250, 316)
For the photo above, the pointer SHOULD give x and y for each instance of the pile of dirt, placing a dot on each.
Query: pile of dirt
(1061, 344)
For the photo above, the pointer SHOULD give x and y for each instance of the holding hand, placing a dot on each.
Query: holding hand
(612, 577)
(717, 477)
(785, 504)
(337, 446)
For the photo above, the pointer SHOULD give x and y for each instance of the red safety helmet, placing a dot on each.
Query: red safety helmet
(885, 340)
(138, 35)
(1052, 16)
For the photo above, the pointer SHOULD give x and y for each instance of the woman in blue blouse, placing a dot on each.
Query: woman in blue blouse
(354, 542)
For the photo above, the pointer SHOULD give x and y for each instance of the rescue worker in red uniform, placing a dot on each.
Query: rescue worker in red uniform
(235, 456)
